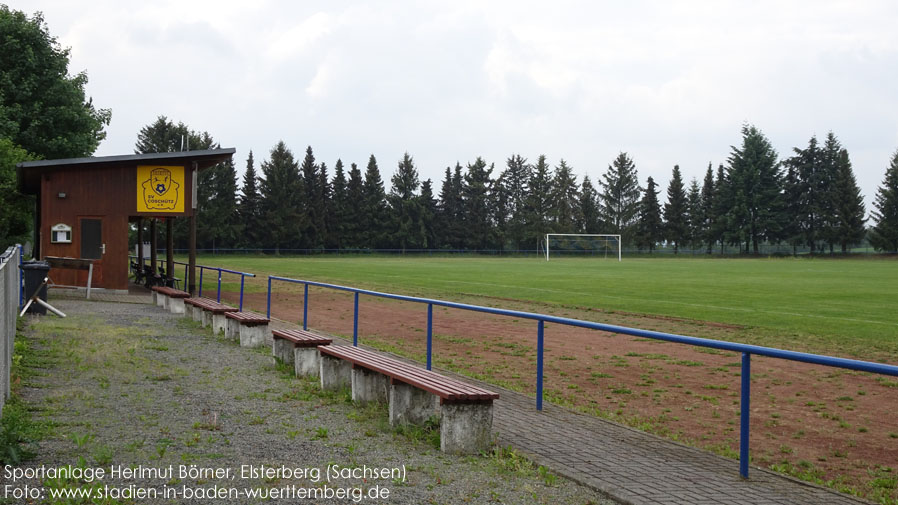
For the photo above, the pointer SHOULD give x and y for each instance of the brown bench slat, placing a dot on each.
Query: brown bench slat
(172, 292)
(432, 382)
(247, 318)
(301, 338)
(210, 305)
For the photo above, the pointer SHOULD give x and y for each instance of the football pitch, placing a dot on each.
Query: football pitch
(821, 304)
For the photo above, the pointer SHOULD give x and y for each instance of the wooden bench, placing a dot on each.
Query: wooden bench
(249, 327)
(466, 411)
(170, 298)
(299, 347)
(210, 312)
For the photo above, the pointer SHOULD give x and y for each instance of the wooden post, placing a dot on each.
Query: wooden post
(153, 246)
(140, 242)
(169, 249)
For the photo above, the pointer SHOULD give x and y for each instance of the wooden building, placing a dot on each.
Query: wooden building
(84, 207)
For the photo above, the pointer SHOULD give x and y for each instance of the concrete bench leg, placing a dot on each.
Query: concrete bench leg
(282, 350)
(206, 318)
(160, 299)
(196, 313)
(410, 405)
(368, 386)
(306, 361)
(253, 336)
(176, 305)
(232, 330)
(466, 428)
(334, 372)
(219, 324)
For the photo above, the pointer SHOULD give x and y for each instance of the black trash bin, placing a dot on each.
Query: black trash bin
(34, 273)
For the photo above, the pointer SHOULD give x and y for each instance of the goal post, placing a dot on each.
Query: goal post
(606, 243)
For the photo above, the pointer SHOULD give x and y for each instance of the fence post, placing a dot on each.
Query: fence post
(21, 278)
(429, 335)
(355, 321)
(539, 365)
(745, 412)
(218, 291)
(242, 278)
(268, 303)
(201, 281)
(305, 307)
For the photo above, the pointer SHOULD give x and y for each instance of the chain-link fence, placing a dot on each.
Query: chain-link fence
(10, 294)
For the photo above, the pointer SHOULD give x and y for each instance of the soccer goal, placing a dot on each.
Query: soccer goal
(583, 244)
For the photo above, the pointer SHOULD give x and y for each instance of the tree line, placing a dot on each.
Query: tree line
(810, 201)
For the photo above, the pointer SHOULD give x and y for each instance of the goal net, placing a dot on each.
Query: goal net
(579, 244)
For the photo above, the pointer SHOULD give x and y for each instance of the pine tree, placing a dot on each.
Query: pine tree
(353, 225)
(809, 209)
(849, 205)
(451, 211)
(723, 202)
(564, 198)
(249, 208)
(793, 189)
(829, 211)
(650, 228)
(499, 213)
(620, 197)
(515, 179)
(375, 208)
(313, 235)
(221, 222)
(696, 216)
(538, 203)
(884, 235)
(405, 212)
(324, 204)
(478, 222)
(709, 215)
(428, 215)
(281, 189)
(676, 223)
(588, 214)
(753, 173)
(339, 206)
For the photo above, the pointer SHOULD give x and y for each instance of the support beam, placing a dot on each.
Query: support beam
(153, 245)
(170, 250)
(191, 255)
(140, 242)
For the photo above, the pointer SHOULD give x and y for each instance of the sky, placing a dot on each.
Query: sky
(666, 82)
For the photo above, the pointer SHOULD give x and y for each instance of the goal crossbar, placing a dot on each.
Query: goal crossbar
(604, 235)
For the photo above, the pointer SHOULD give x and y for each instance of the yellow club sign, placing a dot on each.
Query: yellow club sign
(160, 188)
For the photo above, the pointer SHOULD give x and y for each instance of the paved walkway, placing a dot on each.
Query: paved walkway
(628, 465)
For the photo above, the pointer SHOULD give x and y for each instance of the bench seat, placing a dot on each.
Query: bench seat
(466, 411)
(209, 312)
(251, 328)
(170, 298)
(299, 347)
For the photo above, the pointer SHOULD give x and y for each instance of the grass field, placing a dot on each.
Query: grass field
(848, 305)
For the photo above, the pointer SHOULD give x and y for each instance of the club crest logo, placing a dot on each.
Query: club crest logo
(160, 188)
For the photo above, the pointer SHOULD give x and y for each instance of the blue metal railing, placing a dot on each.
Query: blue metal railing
(745, 349)
(243, 276)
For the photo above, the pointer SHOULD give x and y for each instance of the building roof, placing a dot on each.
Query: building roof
(29, 172)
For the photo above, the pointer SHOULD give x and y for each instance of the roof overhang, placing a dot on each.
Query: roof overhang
(29, 172)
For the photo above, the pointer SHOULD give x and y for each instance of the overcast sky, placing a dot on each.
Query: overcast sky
(667, 82)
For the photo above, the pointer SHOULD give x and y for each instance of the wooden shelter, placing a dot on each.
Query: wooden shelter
(84, 207)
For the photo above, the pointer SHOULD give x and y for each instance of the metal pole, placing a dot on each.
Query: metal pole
(539, 365)
(21, 281)
(201, 281)
(268, 304)
(305, 307)
(218, 292)
(242, 278)
(355, 321)
(429, 335)
(746, 399)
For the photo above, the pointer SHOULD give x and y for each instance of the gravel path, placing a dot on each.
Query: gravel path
(130, 386)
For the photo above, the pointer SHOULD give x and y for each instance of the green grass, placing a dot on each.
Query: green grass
(830, 300)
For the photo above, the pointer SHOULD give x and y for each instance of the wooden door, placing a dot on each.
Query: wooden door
(93, 248)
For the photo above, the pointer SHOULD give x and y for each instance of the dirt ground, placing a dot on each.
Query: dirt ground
(819, 423)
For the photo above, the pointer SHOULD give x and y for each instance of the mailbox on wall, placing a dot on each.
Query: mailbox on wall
(61, 234)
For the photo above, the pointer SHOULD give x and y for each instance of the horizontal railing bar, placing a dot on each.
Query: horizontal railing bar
(203, 266)
(850, 364)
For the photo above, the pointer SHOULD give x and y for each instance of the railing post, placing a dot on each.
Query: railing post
(746, 400)
(21, 281)
(539, 365)
(201, 281)
(242, 278)
(218, 291)
(355, 321)
(429, 336)
(268, 303)
(305, 307)
(186, 273)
